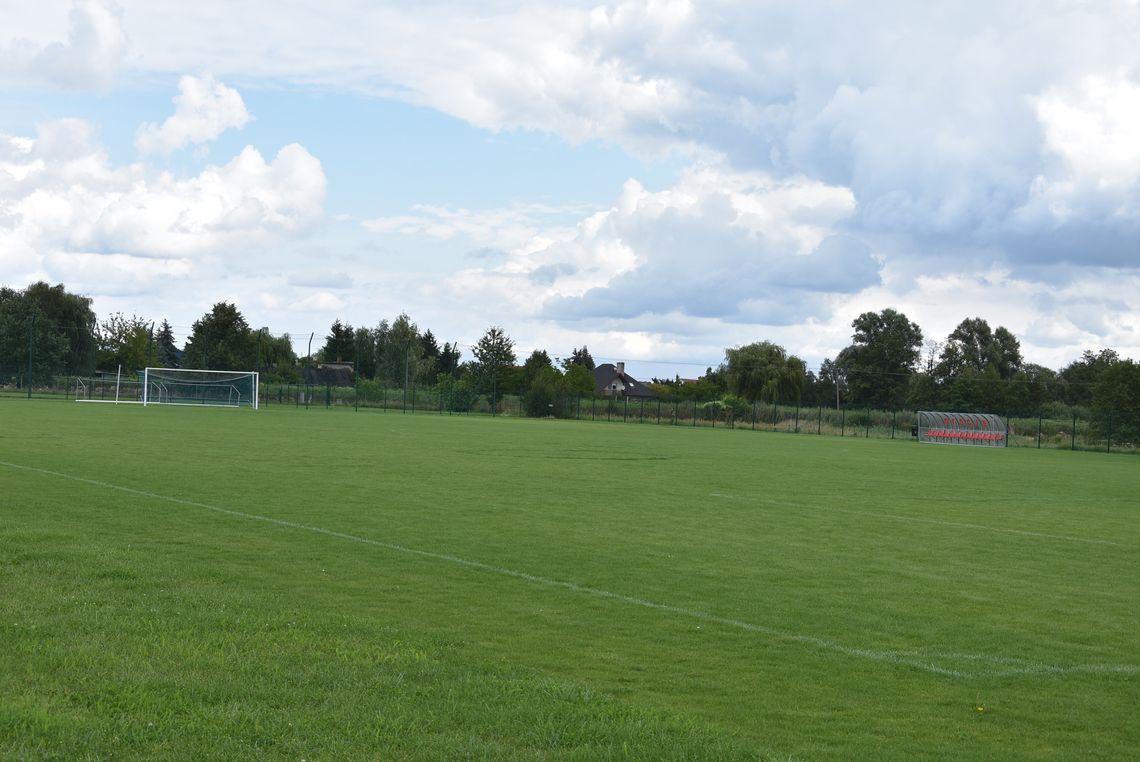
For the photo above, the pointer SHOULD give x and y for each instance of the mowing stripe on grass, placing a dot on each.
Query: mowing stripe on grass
(921, 520)
(1005, 666)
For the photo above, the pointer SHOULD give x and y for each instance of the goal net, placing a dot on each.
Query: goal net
(185, 386)
(109, 388)
(976, 429)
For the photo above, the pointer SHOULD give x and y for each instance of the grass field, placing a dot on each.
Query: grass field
(222, 584)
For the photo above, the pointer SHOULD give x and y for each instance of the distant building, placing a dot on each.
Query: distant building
(612, 381)
(328, 374)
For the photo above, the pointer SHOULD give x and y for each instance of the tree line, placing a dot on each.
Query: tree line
(889, 363)
(890, 366)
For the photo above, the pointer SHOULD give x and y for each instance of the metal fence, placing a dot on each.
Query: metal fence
(1058, 427)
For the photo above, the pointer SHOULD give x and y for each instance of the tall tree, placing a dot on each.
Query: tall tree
(1081, 376)
(401, 351)
(579, 357)
(381, 341)
(449, 359)
(494, 352)
(428, 369)
(168, 353)
(579, 380)
(972, 345)
(365, 351)
(977, 366)
(278, 357)
(127, 343)
(763, 371)
(28, 341)
(340, 343)
(221, 340)
(885, 351)
(534, 364)
(1116, 401)
(70, 316)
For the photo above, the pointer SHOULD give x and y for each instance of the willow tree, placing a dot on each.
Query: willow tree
(764, 371)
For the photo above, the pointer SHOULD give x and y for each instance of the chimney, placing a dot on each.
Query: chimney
(620, 368)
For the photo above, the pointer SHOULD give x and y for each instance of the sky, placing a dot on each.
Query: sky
(656, 180)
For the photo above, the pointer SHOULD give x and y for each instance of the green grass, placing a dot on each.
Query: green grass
(219, 584)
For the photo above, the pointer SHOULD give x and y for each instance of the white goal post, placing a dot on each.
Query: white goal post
(204, 388)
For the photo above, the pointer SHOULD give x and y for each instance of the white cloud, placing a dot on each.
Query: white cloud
(1090, 128)
(504, 228)
(204, 109)
(91, 57)
(124, 228)
(719, 244)
(320, 302)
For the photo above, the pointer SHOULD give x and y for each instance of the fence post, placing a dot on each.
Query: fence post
(819, 422)
(1074, 440)
(1109, 443)
(843, 422)
(1039, 431)
(31, 326)
(796, 430)
(868, 434)
(894, 419)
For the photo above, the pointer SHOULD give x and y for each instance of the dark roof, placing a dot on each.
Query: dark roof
(606, 373)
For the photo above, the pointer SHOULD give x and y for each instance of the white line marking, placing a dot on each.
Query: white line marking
(901, 658)
(922, 520)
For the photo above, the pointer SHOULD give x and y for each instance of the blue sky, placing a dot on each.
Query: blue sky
(657, 180)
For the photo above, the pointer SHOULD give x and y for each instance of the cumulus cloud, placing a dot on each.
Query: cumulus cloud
(719, 244)
(944, 122)
(735, 246)
(90, 58)
(204, 109)
(62, 197)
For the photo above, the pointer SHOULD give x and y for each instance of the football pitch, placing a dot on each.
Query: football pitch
(288, 584)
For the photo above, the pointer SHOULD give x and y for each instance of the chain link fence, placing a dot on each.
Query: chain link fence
(1056, 427)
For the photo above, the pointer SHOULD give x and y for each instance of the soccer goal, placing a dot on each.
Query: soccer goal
(109, 388)
(975, 429)
(212, 388)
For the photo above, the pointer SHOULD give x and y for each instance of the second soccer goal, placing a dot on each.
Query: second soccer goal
(188, 386)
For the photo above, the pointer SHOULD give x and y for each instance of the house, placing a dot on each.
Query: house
(612, 381)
